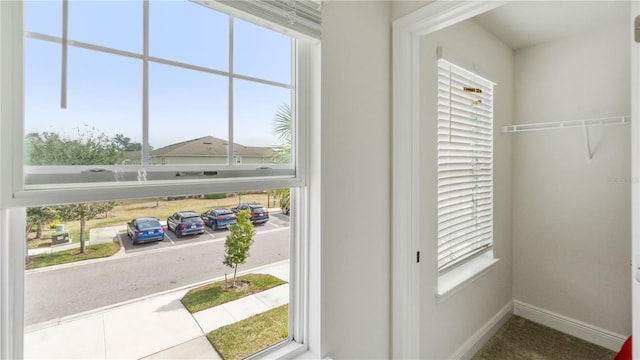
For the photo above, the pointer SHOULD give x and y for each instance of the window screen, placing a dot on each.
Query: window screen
(465, 164)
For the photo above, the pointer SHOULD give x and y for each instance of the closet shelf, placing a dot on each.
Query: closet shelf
(616, 120)
(584, 124)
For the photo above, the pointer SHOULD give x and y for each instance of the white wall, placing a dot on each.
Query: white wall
(447, 324)
(356, 153)
(571, 218)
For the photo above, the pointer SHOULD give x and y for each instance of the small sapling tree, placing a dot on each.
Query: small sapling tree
(238, 243)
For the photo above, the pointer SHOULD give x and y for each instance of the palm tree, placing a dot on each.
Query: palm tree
(282, 129)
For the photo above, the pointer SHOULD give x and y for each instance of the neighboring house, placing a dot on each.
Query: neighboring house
(205, 150)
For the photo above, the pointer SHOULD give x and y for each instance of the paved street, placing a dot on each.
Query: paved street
(144, 270)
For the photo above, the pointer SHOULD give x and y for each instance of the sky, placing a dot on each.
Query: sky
(105, 91)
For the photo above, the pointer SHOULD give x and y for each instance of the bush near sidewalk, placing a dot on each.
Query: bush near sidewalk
(248, 336)
(214, 294)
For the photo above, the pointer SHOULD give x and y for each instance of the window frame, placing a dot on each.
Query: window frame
(218, 177)
(466, 134)
(304, 260)
(462, 271)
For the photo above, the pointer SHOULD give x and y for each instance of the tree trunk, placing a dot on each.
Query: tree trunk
(235, 270)
(26, 246)
(38, 231)
(83, 249)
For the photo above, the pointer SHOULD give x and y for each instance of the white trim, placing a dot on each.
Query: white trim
(567, 325)
(12, 255)
(405, 298)
(635, 172)
(454, 280)
(484, 334)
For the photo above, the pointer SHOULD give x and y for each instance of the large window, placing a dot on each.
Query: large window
(185, 90)
(119, 101)
(465, 165)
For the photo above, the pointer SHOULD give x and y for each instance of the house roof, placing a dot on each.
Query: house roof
(210, 146)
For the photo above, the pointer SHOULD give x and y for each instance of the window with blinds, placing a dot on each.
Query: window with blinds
(465, 165)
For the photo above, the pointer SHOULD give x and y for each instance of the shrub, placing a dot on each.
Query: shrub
(54, 224)
(215, 196)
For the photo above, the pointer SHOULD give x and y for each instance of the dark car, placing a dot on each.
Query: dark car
(185, 223)
(145, 229)
(219, 218)
(259, 215)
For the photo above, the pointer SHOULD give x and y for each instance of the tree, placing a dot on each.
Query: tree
(282, 129)
(124, 143)
(88, 148)
(84, 212)
(38, 216)
(238, 243)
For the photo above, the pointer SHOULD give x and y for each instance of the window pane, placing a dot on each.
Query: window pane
(94, 302)
(256, 117)
(188, 116)
(103, 100)
(252, 42)
(187, 32)
(43, 17)
(115, 24)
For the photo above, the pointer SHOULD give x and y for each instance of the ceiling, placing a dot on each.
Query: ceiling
(521, 24)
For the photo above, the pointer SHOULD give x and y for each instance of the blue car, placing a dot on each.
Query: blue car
(219, 218)
(145, 229)
(185, 223)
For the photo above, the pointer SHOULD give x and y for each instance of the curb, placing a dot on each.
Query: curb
(88, 313)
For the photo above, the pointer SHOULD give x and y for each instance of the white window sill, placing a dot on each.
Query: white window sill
(454, 280)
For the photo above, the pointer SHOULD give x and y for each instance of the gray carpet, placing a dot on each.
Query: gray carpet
(521, 339)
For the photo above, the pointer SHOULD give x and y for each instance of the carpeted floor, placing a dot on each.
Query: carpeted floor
(521, 339)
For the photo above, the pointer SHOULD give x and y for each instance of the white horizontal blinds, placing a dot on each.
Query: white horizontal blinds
(465, 164)
(300, 16)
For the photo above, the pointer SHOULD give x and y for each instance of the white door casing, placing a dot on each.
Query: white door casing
(635, 172)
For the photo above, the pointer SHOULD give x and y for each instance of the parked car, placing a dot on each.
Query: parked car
(219, 218)
(259, 215)
(185, 223)
(145, 229)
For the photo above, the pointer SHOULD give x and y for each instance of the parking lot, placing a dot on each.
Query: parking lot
(276, 221)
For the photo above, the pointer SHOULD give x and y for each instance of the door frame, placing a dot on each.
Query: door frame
(407, 30)
(635, 176)
(405, 241)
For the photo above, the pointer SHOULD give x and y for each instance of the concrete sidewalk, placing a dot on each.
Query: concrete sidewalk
(96, 236)
(153, 327)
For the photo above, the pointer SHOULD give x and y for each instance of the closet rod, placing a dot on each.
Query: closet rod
(615, 120)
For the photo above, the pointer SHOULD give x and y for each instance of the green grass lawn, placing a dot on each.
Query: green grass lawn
(248, 336)
(67, 256)
(213, 294)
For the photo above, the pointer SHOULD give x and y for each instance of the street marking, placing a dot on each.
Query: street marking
(172, 243)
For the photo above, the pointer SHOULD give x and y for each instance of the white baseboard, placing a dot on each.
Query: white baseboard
(579, 329)
(480, 337)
